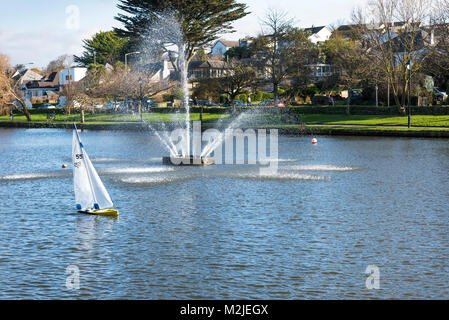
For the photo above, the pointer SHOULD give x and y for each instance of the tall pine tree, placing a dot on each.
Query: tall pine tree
(104, 47)
(201, 21)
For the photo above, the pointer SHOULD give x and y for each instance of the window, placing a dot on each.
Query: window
(68, 77)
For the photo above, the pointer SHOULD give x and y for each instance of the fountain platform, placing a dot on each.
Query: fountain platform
(188, 161)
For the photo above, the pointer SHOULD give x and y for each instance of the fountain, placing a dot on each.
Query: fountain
(167, 30)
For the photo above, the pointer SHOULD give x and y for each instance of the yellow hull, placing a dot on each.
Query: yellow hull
(101, 212)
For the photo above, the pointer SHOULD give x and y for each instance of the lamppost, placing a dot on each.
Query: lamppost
(140, 101)
(409, 68)
(377, 95)
(126, 58)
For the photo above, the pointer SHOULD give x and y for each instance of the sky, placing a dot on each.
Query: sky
(38, 31)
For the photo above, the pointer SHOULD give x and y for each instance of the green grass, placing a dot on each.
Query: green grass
(376, 120)
(255, 119)
(353, 129)
(108, 118)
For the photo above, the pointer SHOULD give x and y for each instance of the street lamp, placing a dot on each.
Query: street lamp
(409, 68)
(140, 103)
(377, 95)
(126, 58)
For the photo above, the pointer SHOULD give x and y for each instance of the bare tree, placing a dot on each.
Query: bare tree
(10, 93)
(59, 63)
(395, 32)
(353, 62)
(236, 78)
(274, 45)
(437, 64)
(120, 84)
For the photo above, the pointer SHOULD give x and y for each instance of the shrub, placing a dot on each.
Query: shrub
(178, 94)
(242, 97)
(257, 96)
(320, 100)
(267, 96)
(223, 98)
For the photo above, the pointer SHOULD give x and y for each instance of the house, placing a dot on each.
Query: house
(321, 71)
(211, 68)
(72, 74)
(46, 86)
(421, 39)
(222, 46)
(319, 34)
(157, 71)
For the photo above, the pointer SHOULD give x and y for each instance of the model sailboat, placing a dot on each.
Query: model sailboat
(90, 194)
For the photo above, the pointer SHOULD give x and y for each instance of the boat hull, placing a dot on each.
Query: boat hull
(101, 212)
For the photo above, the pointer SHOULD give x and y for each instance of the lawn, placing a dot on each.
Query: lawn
(105, 117)
(249, 119)
(376, 120)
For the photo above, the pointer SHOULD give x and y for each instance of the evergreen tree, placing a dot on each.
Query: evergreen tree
(104, 47)
(201, 21)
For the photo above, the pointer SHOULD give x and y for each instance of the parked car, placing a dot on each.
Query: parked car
(356, 96)
(270, 103)
(149, 103)
(111, 105)
(237, 103)
(47, 106)
(440, 95)
(207, 103)
(266, 103)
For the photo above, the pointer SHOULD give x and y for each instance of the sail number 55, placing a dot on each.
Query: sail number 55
(78, 156)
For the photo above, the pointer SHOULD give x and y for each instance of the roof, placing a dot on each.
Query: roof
(49, 81)
(229, 43)
(346, 27)
(27, 75)
(420, 40)
(314, 30)
(212, 64)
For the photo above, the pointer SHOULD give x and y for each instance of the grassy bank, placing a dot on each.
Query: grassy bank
(309, 119)
(376, 120)
(108, 117)
(424, 125)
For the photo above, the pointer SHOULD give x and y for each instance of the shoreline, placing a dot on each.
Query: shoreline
(287, 129)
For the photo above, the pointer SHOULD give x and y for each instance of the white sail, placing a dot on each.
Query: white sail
(90, 192)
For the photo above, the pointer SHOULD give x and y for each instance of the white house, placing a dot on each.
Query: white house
(72, 74)
(157, 71)
(222, 46)
(46, 86)
(319, 34)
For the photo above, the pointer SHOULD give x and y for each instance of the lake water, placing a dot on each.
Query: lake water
(224, 232)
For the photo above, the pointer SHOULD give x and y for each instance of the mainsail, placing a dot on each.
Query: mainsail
(90, 192)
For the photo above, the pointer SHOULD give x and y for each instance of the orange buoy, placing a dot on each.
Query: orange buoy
(64, 166)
